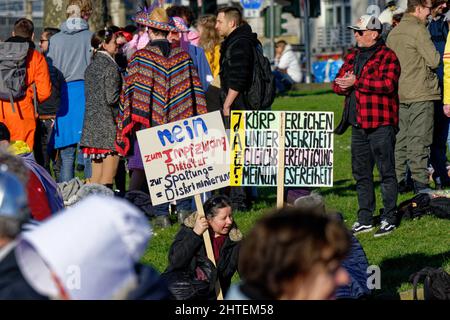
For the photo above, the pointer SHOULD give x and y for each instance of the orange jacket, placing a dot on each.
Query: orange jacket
(22, 123)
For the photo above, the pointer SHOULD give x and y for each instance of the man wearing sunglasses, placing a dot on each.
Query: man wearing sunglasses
(369, 80)
(418, 92)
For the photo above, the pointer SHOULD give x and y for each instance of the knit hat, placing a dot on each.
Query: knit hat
(157, 19)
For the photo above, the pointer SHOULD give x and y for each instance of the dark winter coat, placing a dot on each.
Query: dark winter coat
(102, 89)
(150, 285)
(188, 248)
(13, 285)
(50, 106)
(236, 63)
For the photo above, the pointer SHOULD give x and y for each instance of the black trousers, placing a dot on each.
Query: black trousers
(370, 147)
(44, 153)
(438, 150)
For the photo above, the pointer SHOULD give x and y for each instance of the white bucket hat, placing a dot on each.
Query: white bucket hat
(91, 248)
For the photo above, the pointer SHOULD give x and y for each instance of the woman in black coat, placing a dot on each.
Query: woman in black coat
(190, 274)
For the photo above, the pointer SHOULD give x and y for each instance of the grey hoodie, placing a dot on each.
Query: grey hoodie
(70, 50)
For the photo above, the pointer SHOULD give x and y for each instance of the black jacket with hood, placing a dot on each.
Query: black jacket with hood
(236, 63)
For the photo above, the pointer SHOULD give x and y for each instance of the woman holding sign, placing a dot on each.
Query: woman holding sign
(190, 274)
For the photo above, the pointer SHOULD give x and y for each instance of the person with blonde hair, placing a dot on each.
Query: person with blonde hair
(210, 41)
(79, 8)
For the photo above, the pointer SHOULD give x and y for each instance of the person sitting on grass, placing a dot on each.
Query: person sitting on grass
(190, 274)
(287, 65)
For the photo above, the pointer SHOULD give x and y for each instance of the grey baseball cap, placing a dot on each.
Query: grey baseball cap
(367, 22)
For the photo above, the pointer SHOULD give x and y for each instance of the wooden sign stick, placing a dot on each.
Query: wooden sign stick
(280, 175)
(208, 246)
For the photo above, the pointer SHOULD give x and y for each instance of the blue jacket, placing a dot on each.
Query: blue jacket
(204, 70)
(439, 31)
(356, 265)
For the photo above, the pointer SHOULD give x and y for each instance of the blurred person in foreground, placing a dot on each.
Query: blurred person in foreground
(14, 213)
(292, 255)
(97, 256)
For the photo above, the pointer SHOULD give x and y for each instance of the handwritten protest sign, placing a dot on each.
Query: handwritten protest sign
(185, 158)
(260, 138)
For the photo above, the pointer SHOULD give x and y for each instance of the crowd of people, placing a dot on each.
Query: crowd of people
(87, 93)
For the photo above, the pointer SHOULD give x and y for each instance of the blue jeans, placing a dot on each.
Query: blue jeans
(67, 172)
(67, 155)
(86, 162)
(283, 81)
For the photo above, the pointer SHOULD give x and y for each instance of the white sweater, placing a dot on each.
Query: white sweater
(289, 61)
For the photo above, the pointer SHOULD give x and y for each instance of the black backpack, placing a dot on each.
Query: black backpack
(422, 204)
(13, 66)
(436, 285)
(261, 92)
(440, 207)
(416, 207)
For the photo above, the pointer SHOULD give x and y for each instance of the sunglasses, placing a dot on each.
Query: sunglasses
(42, 40)
(359, 32)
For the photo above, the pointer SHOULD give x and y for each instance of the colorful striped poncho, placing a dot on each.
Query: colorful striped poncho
(158, 90)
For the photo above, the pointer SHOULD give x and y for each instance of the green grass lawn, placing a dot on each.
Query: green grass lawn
(414, 245)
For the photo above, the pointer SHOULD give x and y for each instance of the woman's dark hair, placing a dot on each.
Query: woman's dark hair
(114, 28)
(100, 37)
(130, 28)
(182, 12)
(214, 203)
(159, 32)
(51, 31)
(288, 243)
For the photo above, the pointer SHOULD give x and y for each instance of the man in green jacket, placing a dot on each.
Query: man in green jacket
(418, 91)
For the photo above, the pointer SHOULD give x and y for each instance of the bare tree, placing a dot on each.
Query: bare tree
(55, 13)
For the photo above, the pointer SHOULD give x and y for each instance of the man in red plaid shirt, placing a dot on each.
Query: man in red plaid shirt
(369, 80)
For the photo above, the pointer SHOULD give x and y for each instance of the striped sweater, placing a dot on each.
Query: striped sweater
(157, 90)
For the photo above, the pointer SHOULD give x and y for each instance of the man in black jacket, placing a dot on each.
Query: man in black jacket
(47, 110)
(236, 70)
(236, 58)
